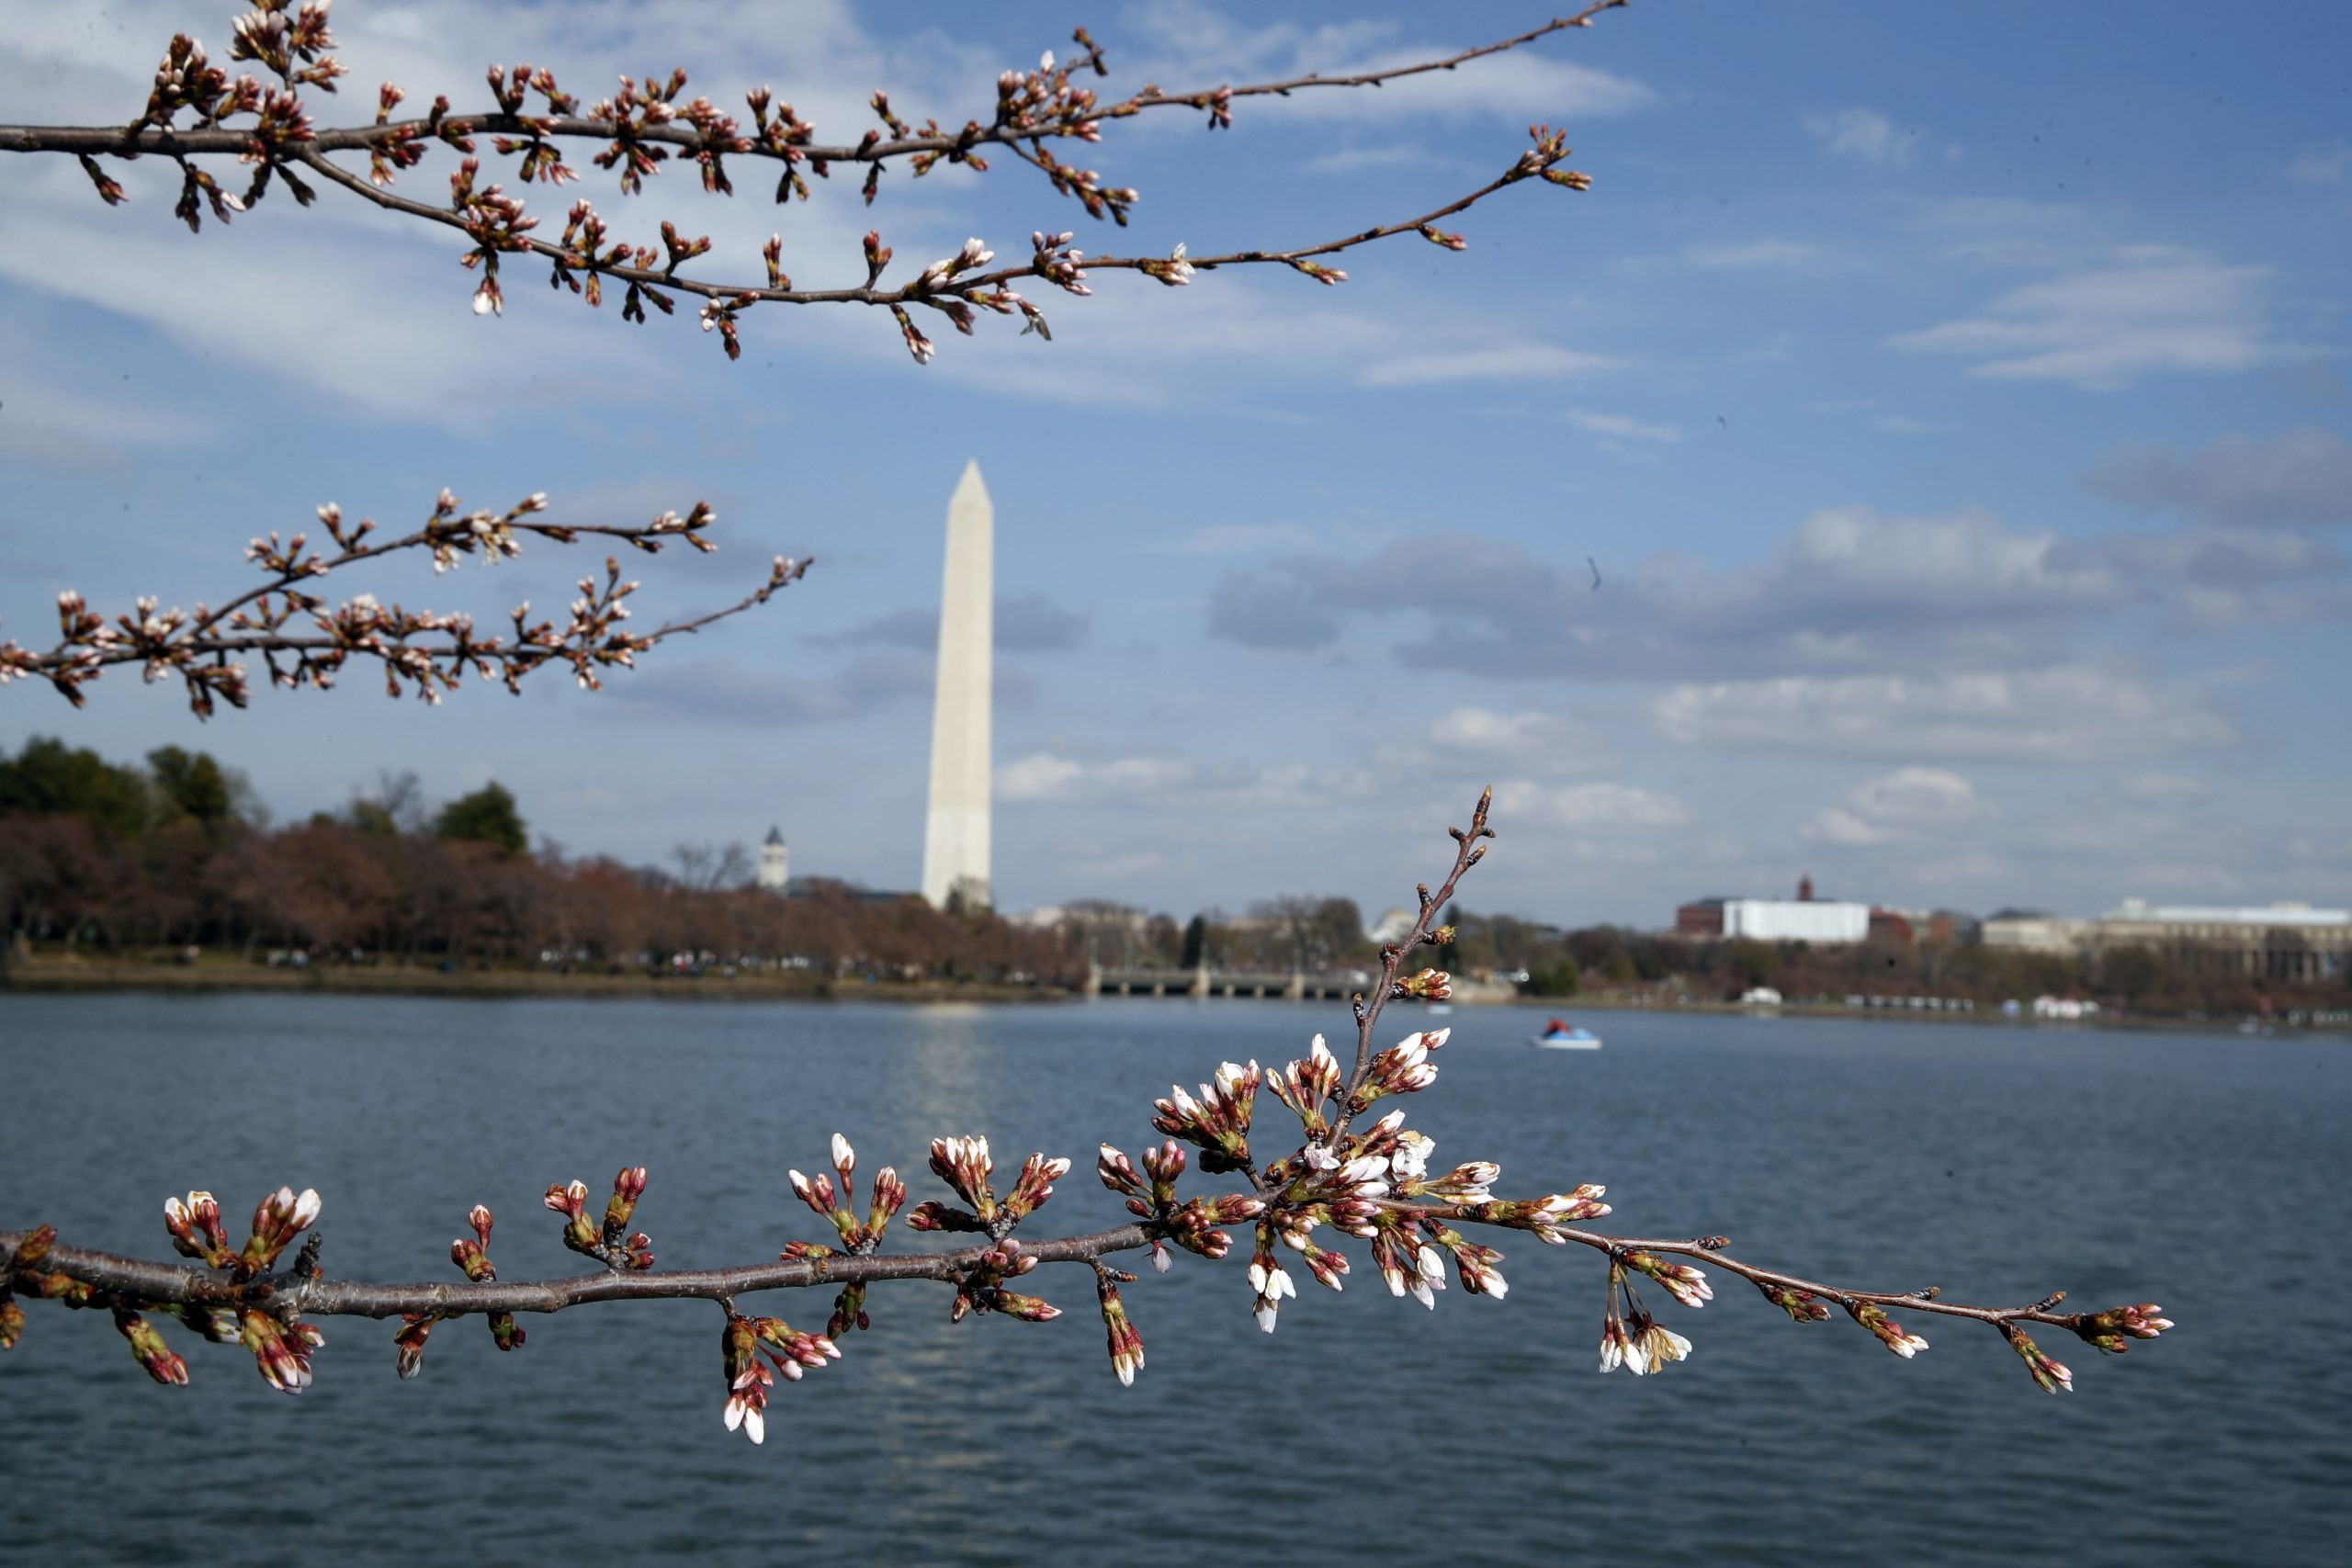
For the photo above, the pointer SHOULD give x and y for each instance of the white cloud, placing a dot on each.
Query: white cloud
(1589, 806)
(1619, 428)
(2065, 713)
(1906, 806)
(1531, 741)
(1502, 362)
(1865, 134)
(1356, 159)
(2150, 310)
(1158, 781)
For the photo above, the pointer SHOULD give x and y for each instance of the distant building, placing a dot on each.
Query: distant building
(2279, 942)
(776, 860)
(1391, 927)
(1797, 920)
(1802, 919)
(2033, 931)
(1699, 918)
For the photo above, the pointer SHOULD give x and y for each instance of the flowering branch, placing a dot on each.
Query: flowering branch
(1375, 1185)
(304, 639)
(269, 128)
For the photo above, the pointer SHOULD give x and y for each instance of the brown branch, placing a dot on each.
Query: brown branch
(1374, 1185)
(429, 652)
(154, 1282)
(644, 128)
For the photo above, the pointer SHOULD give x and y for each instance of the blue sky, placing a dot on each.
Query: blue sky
(1954, 403)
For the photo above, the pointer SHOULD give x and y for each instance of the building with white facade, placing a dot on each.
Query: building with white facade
(2276, 941)
(1797, 920)
(775, 862)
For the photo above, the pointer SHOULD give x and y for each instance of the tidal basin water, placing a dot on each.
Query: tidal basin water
(2205, 1173)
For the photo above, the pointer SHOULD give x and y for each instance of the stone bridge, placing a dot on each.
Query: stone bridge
(1207, 982)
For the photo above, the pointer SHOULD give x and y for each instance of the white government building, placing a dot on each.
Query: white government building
(2276, 941)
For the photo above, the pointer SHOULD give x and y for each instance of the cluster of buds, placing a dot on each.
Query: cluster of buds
(1175, 271)
(1126, 1341)
(612, 1243)
(942, 274)
(268, 35)
(1685, 1284)
(2051, 1376)
(1475, 1263)
(198, 1232)
(1632, 1339)
(1404, 1069)
(628, 111)
(858, 1237)
(1086, 186)
(471, 1255)
(1890, 1333)
(1467, 1187)
(1059, 261)
(1407, 1264)
(981, 1288)
(1803, 1307)
(1306, 1087)
(1045, 102)
(1551, 146)
(24, 1271)
(2110, 1329)
(1219, 1121)
(1269, 1280)
(966, 1166)
(1429, 985)
(147, 1346)
(185, 79)
(281, 1349)
(742, 1343)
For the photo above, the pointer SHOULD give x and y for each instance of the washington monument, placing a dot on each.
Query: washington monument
(955, 839)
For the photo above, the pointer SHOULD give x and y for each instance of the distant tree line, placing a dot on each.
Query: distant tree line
(99, 855)
(1325, 934)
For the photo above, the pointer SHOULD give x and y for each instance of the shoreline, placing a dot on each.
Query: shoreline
(84, 978)
(496, 984)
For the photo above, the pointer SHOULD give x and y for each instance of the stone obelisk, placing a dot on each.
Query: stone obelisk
(956, 840)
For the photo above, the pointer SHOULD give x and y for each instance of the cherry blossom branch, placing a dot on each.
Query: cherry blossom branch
(303, 639)
(1376, 1185)
(645, 125)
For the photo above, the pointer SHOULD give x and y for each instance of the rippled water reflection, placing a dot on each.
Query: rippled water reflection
(2206, 1173)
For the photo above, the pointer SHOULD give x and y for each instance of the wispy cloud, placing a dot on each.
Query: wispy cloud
(2151, 309)
(1866, 134)
(1186, 784)
(1501, 362)
(2068, 713)
(1908, 805)
(1802, 257)
(2331, 167)
(1622, 432)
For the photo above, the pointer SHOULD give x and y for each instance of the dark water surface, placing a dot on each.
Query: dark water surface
(2208, 1174)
